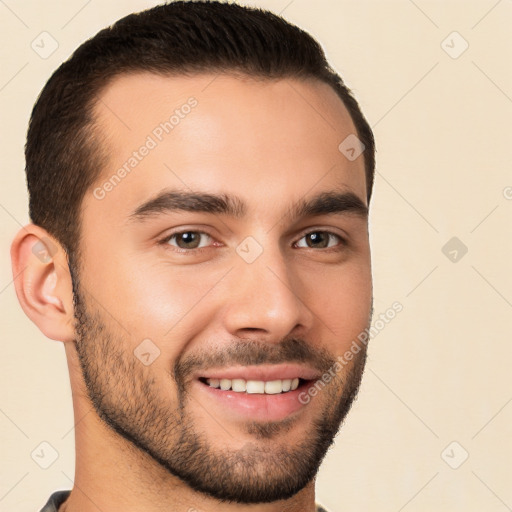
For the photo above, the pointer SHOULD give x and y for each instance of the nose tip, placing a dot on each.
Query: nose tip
(267, 303)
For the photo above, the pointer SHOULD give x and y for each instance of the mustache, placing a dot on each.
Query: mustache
(252, 353)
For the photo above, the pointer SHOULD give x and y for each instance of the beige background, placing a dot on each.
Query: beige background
(440, 371)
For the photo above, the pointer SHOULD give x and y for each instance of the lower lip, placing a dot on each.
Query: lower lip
(256, 406)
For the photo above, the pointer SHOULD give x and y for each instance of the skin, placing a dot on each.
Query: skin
(272, 144)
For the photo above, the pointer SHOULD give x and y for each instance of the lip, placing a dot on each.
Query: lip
(265, 373)
(247, 406)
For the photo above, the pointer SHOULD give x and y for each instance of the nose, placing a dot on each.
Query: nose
(266, 300)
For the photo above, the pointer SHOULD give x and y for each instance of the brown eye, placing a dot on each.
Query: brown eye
(187, 239)
(320, 240)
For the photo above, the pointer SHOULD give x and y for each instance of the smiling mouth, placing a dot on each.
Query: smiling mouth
(270, 387)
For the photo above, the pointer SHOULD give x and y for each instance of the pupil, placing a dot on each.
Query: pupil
(189, 239)
(320, 239)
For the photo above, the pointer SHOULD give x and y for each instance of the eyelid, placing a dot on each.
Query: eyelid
(324, 229)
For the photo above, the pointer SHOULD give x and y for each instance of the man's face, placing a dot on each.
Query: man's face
(254, 286)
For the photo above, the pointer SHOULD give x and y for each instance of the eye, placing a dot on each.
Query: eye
(321, 240)
(187, 240)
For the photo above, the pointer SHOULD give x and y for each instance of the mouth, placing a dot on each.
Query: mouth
(269, 387)
(269, 393)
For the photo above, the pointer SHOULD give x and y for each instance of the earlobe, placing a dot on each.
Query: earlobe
(43, 282)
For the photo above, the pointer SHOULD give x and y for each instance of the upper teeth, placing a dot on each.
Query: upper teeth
(271, 387)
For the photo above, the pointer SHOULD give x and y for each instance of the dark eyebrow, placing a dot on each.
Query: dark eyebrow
(330, 203)
(170, 201)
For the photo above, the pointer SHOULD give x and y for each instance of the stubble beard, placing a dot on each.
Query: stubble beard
(127, 397)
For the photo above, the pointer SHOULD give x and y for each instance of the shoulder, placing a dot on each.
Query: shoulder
(55, 501)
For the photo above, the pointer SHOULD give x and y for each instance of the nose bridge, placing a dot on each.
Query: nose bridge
(267, 296)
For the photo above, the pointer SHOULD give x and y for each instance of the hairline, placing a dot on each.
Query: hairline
(99, 137)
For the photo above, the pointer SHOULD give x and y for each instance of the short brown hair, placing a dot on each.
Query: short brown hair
(64, 157)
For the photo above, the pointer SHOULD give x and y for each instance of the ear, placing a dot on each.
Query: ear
(43, 282)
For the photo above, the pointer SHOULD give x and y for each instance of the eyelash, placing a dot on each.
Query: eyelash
(165, 240)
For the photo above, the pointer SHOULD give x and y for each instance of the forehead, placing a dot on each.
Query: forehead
(222, 133)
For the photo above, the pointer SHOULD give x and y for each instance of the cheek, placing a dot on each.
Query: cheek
(154, 299)
(341, 300)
